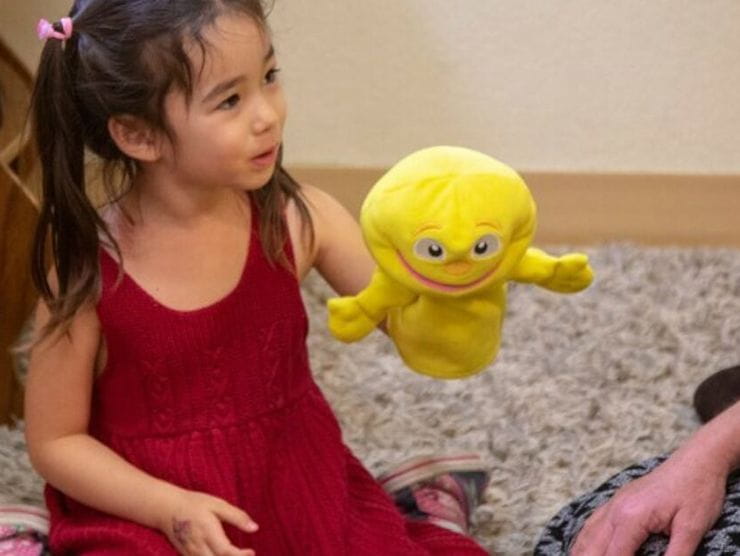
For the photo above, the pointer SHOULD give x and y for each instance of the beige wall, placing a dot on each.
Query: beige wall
(18, 24)
(567, 85)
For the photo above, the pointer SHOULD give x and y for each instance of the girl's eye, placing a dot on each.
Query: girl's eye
(230, 102)
(430, 250)
(486, 246)
(272, 75)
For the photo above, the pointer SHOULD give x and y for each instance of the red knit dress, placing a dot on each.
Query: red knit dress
(221, 400)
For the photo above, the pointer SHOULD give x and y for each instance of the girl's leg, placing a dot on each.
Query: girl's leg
(111, 539)
(88, 532)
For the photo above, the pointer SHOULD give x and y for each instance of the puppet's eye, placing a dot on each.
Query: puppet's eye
(430, 250)
(486, 246)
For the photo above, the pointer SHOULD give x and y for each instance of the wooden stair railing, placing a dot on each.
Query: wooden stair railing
(18, 216)
(16, 84)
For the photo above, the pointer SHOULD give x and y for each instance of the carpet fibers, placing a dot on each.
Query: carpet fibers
(584, 385)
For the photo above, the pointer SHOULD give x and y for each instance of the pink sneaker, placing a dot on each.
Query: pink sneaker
(23, 530)
(443, 490)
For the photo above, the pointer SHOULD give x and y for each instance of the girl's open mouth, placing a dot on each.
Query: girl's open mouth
(265, 159)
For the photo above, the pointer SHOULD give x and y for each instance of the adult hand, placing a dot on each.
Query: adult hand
(681, 498)
(194, 526)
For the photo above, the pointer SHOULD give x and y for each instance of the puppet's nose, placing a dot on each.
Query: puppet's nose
(457, 268)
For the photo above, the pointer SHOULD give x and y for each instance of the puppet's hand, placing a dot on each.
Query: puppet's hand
(571, 273)
(347, 320)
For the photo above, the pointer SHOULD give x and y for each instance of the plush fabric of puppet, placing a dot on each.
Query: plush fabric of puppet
(448, 227)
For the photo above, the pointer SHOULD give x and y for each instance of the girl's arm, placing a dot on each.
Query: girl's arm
(339, 253)
(58, 398)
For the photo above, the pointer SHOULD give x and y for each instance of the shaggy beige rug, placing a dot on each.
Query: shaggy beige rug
(584, 385)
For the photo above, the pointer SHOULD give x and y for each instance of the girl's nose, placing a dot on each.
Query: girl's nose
(265, 114)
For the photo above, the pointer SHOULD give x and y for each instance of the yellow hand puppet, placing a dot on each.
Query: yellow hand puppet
(448, 227)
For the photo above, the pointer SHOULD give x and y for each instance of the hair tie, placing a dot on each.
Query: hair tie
(46, 30)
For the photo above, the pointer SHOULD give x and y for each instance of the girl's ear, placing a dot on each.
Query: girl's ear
(136, 138)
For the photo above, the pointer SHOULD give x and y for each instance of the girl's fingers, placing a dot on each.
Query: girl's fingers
(200, 549)
(236, 517)
(220, 545)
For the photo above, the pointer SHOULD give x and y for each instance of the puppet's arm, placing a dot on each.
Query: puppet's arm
(567, 273)
(354, 317)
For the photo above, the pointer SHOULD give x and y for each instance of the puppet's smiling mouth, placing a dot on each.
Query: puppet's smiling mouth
(441, 285)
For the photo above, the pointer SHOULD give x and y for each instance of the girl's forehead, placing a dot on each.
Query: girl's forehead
(232, 41)
(236, 26)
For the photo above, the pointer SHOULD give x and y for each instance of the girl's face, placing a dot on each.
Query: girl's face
(229, 132)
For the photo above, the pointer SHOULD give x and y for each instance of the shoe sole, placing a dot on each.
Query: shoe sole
(421, 468)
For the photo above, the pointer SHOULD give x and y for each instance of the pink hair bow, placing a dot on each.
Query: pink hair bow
(46, 30)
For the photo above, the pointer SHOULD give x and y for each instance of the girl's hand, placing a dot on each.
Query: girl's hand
(194, 525)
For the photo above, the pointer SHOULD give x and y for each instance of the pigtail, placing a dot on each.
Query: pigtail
(68, 224)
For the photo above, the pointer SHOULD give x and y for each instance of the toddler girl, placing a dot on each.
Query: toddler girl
(170, 405)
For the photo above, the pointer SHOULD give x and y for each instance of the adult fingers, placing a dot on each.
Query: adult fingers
(626, 539)
(685, 537)
(594, 536)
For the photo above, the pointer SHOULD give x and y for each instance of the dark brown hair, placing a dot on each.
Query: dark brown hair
(123, 57)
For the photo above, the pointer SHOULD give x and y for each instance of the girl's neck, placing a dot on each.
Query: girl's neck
(153, 200)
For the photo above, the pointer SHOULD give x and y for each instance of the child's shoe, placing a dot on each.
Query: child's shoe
(443, 490)
(23, 530)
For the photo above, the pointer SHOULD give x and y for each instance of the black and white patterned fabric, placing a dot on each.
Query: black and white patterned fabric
(560, 533)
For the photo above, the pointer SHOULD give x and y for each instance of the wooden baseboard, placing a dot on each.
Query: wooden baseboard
(587, 209)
